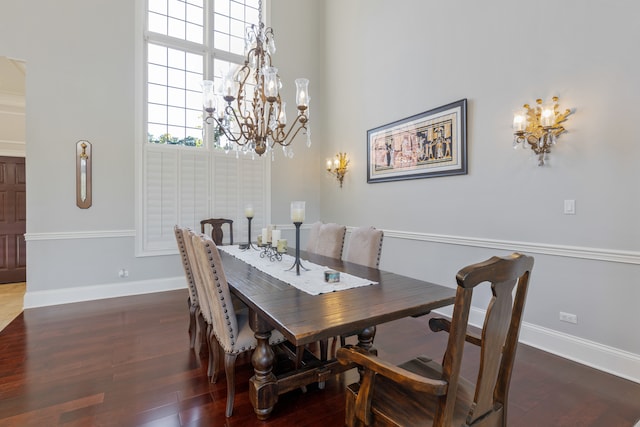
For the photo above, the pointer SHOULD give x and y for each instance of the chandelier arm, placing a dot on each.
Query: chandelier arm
(303, 125)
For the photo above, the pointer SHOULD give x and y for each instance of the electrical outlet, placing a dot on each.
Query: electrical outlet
(123, 273)
(568, 317)
(569, 207)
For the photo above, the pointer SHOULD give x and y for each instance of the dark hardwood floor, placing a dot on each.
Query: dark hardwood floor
(126, 362)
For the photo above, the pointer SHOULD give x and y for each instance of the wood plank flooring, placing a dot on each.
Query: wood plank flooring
(126, 362)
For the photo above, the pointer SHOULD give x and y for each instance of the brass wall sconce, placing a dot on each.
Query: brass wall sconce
(83, 174)
(539, 127)
(338, 166)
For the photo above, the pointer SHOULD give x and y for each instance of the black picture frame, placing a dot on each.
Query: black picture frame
(426, 145)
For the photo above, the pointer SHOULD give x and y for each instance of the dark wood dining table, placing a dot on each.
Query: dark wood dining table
(303, 318)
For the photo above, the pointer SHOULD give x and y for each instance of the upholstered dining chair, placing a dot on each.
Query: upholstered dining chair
(216, 229)
(230, 329)
(426, 393)
(192, 301)
(365, 247)
(326, 239)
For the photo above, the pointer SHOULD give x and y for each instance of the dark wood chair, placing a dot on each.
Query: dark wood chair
(216, 229)
(422, 392)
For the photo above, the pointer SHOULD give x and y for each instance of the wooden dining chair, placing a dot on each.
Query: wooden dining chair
(326, 239)
(230, 330)
(422, 392)
(216, 229)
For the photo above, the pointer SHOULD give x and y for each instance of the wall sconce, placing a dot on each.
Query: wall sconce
(338, 166)
(539, 127)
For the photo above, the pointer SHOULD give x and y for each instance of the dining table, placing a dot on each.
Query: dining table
(304, 318)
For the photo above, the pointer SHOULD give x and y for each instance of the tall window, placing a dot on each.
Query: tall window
(185, 178)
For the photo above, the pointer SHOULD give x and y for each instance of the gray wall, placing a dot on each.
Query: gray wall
(370, 63)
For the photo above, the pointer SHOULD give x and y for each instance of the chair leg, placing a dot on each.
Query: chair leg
(202, 336)
(192, 324)
(216, 358)
(230, 368)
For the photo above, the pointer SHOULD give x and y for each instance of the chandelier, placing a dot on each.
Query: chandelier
(246, 109)
(539, 127)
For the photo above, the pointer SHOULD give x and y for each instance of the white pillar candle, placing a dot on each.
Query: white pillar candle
(269, 231)
(275, 236)
(264, 235)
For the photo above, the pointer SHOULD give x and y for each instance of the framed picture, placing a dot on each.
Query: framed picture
(429, 144)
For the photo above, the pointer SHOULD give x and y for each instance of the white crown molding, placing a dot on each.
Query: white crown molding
(598, 356)
(13, 100)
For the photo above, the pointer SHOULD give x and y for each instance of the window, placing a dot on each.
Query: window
(185, 178)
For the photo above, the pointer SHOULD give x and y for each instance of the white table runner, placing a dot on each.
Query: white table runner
(311, 281)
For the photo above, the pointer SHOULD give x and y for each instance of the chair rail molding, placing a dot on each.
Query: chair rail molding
(598, 254)
(70, 235)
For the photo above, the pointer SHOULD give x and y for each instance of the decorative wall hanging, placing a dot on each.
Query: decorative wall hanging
(429, 144)
(83, 174)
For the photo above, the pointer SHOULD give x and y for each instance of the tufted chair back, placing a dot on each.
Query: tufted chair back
(365, 247)
(224, 321)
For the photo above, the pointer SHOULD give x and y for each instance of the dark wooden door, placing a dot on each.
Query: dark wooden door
(13, 202)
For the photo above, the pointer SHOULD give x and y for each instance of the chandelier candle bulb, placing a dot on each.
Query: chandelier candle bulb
(302, 93)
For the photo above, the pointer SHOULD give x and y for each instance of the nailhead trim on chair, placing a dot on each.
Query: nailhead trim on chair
(221, 298)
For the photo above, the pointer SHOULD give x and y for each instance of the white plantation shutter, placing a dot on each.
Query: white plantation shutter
(236, 182)
(194, 188)
(184, 186)
(160, 197)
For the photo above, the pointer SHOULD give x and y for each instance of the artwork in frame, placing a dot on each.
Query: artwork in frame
(429, 144)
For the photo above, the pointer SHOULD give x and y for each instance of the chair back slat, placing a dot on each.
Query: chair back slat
(217, 235)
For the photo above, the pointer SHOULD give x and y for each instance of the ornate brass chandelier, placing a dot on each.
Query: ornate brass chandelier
(538, 127)
(247, 109)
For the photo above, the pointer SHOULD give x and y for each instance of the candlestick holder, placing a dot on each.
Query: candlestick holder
(271, 252)
(297, 264)
(249, 244)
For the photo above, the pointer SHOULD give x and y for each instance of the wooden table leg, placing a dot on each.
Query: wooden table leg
(263, 386)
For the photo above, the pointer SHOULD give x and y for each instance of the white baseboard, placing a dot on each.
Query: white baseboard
(95, 292)
(604, 358)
